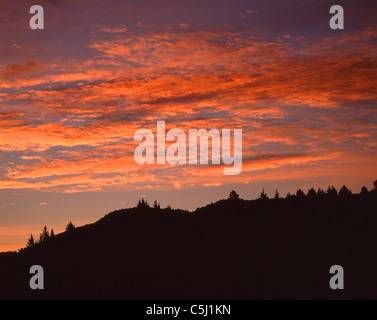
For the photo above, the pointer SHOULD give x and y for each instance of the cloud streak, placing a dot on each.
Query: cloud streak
(285, 92)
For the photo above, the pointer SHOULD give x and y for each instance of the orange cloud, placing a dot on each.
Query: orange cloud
(18, 70)
(286, 94)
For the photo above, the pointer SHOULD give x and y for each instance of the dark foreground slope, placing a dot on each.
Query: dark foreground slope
(228, 250)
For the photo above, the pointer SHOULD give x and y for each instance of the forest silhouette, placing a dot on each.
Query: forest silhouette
(267, 248)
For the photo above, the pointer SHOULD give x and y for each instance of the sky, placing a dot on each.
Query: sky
(73, 95)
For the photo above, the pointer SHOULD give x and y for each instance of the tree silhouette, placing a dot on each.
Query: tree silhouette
(233, 196)
(70, 226)
(263, 196)
(375, 185)
(44, 235)
(30, 242)
(312, 194)
(344, 192)
(52, 233)
(289, 196)
(156, 205)
(320, 192)
(277, 195)
(300, 194)
(364, 190)
(142, 204)
(331, 192)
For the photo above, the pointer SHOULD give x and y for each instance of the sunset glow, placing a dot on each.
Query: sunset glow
(73, 95)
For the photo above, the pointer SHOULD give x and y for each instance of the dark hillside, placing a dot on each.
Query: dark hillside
(232, 249)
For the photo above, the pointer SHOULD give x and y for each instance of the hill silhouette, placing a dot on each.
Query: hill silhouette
(232, 249)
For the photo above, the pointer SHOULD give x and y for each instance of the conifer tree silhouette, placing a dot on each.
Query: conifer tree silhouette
(331, 192)
(156, 205)
(233, 196)
(320, 193)
(30, 242)
(312, 194)
(300, 194)
(344, 192)
(364, 190)
(263, 196)
(70, 226)
(44, 235)
(142, 204)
